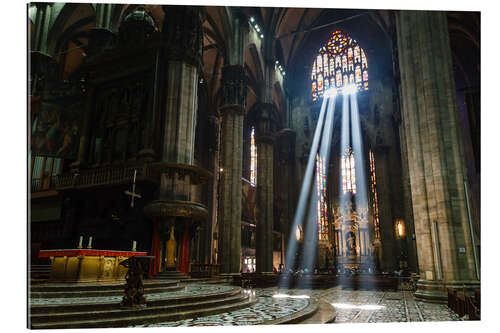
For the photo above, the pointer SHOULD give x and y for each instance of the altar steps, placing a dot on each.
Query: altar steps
(117, 290)
(176, 275)
(55, 287)
(39, 272)
(172, 275)
(160, 310)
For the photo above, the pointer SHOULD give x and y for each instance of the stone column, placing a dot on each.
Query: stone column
(234, 94)
(183, 36)
(39, 41)
(176, 84)
(264, 119)
(287, 184)
(386, 218)
(408, 207)
(103, 15)
(435, 154)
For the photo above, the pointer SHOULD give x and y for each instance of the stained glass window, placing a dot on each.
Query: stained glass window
(321, 204)
(343, 55)
(348, 172)
(373, 183)
(253, 158)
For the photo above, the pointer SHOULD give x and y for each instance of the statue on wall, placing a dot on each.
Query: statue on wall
(351, 243)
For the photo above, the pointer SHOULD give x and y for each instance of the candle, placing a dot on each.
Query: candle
(90, 243)
(80, 243)
(134, 243)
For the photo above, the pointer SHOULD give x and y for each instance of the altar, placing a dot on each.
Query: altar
(87, 265)
(352, 239)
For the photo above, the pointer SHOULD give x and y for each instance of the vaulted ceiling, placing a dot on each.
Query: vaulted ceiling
(295, 33)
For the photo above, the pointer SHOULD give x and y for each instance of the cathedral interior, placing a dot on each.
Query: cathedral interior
(257, 159)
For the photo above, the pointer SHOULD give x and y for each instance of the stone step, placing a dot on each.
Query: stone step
(142, 316)
(169, 275)
(71, 287)
(117, 312)
(40, 268)
(100, 293)
(111, 305)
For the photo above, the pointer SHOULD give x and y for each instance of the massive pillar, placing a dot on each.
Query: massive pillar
(264, 119)
(103, 15)
(43, 17)
(286, 178)
(435, 155)
(233, 109)
(177, 204)
(387, 237)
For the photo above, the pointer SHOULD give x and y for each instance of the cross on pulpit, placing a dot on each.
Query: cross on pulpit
(132, 194)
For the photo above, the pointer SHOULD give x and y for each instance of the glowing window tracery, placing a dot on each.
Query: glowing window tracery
(343, 55)
(348, 172)
(253, 158)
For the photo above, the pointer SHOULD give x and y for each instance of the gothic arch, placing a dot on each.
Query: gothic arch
(60, 25)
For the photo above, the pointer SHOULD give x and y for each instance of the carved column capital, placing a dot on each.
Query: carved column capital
(234, 85)
(183, 33)
(264, 117)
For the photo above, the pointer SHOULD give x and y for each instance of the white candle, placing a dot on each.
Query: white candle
(81, 242)
(134, 243)
(90, 242)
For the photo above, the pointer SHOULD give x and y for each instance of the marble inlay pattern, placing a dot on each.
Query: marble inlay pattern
(383, 306)
(189, 290)
(350, 305)
(267, 308)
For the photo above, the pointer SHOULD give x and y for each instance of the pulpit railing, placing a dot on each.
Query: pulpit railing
(39, 184)
(103, 176)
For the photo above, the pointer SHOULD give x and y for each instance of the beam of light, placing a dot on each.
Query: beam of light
(359, 157)
(360, 307)
(345, 142)
(332, 92)
(361, 197)
(306, 185)
(343, 198)
(309, 251)
(350, 89)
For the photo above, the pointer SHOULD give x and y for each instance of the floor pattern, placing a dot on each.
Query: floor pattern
(189, 290)
(267, 308)
(351, 306)
(357, 306)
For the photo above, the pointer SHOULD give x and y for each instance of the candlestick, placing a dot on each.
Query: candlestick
(134, 243)
(90, 243)
(81, 242)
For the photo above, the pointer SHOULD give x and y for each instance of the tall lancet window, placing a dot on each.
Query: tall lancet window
(253, 158)
(322, 205)
(340, 62)
(348, 172)
(373, 183)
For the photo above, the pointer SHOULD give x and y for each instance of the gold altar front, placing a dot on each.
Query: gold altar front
(81, 265)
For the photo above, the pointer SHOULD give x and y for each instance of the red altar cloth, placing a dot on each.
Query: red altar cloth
(88, 252)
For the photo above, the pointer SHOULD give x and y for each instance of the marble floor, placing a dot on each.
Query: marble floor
(351, 306)
(270, 306)
(368, 306)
